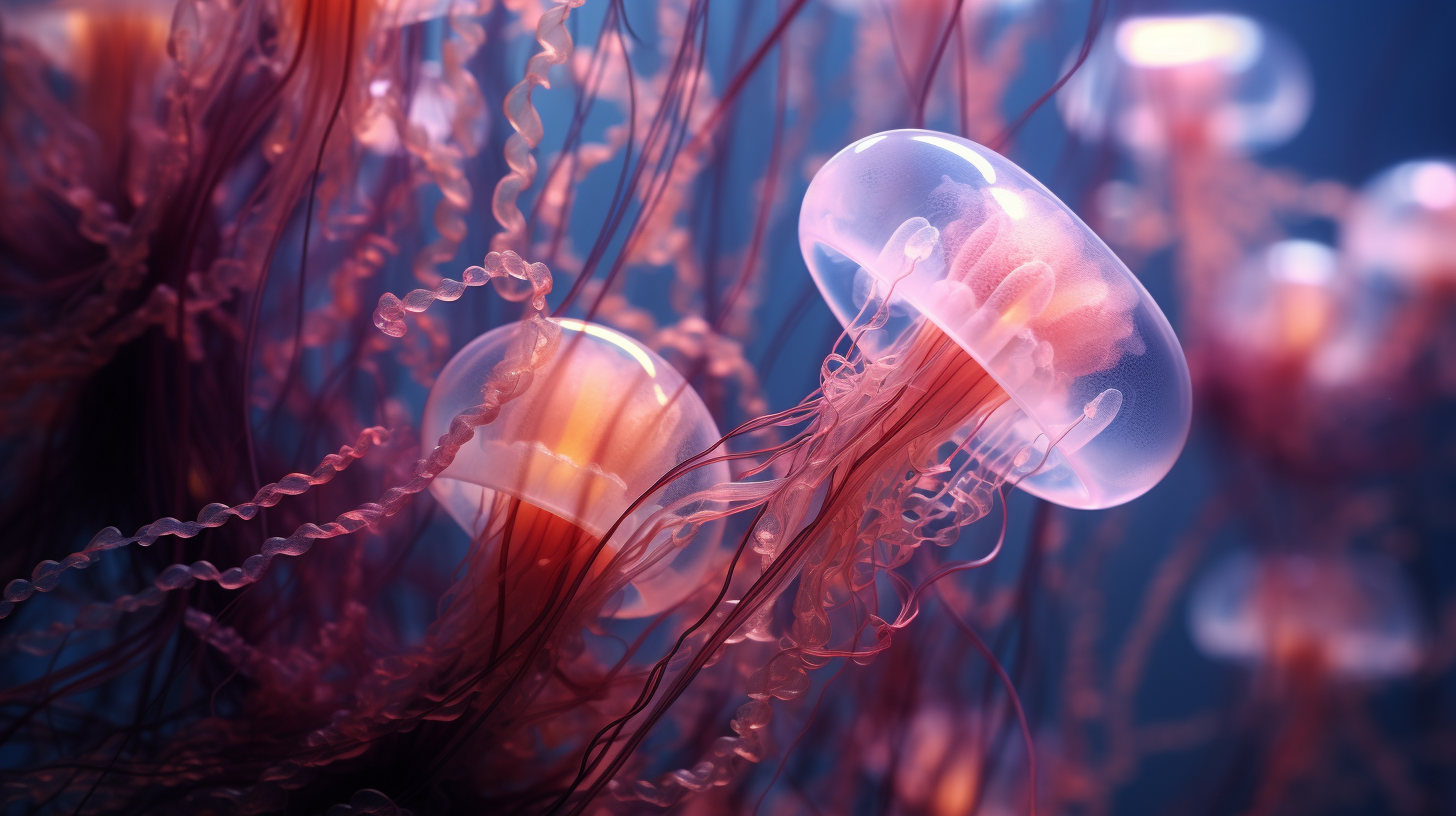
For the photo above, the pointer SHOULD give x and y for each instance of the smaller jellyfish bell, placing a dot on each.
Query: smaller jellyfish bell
(1403, 226)
(1351, 614)
(960, 241)
(1282, 304)
(1215, 80)
(601, 423)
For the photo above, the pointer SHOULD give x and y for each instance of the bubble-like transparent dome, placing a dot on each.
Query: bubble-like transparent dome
(1354, 613)
(988, 255)
(1222, 80)
(601, 423)
(1284, 301)
(1403, 226)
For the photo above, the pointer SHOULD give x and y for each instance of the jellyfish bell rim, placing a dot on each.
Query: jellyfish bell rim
(811, 239)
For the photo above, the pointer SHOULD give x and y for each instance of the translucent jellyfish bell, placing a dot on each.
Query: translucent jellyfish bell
(1217, 79)
(1403, 226)
(978, 249)
(1283, 302)
(601, 423)
(1352, 613)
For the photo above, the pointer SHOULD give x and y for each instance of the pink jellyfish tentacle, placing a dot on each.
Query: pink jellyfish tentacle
(498, 266)
(47, 574)
(444, 161)
(556, 45)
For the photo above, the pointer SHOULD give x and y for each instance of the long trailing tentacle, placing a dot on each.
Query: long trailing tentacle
(555, 40)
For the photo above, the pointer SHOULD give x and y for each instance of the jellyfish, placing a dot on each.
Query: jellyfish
(1279, 345)
(1220, 82)
(1069, 379)
(571, 461)
(1309, 623)
(115, 53)
(1398, 238)
(1033, 359)
(1190, 98)
(1284, 302)
(999, 343)
(1401, 226)
(1346, 617)
(939, 767)
(1298, 330)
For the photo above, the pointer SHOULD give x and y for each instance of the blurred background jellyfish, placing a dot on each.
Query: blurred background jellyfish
(1342, 617)
(1397, 237)
(115, 53)
(1189, 83)
(1190, 98)
(431, 115)
(1280, 345)
(936, 765)
(1284, 302)
(1400, 226)
(1308, 622)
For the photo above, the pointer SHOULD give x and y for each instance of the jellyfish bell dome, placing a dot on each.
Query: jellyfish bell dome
(1354, 613)
(1403, 225)
(601, 423)
(965, 241)
(1282, 303)
(1219, 79)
